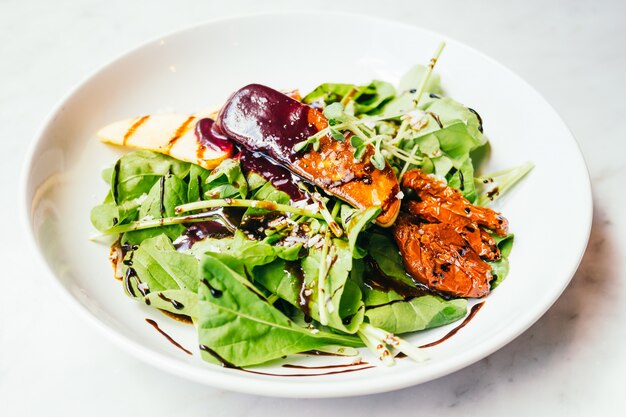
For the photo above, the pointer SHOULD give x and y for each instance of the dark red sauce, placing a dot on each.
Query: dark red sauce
(210, 137)
(345, 365)
(452, 332)
(265, 120)
(199, 231)
(339, 371)
(280, 177)
(167, 336)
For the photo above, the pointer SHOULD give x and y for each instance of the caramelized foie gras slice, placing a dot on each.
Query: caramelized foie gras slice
(189, 138)
(442, 240)
(437, 256)
(434, 211)
(447, 204)
(265, 120)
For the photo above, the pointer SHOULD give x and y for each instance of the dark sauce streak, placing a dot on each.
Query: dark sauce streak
(200, 190)
(183, 318)
(214, 291)
(177, 305)
(480, 119)
(344, 365)
(167, 336)
(200, 231)
(341, 371)
(437, 119)
(162, 196)
(130, 273)
(493, 193)
(216, 355)
(319, 353)
(115, 179)
(451, 333)
(209, 136)
(280, 177)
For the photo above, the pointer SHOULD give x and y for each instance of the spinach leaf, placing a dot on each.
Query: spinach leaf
(105, 215)
(250, 253)
(197, 183)
(416, 314)
(136, 173)
(183, 302)
(500, 268)
(243, 329)
(161, 201)
(298, 285)
(161, 267)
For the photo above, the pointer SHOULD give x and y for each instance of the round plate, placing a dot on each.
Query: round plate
(195, 69)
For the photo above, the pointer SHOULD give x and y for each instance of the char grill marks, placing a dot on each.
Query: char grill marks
(443, 240)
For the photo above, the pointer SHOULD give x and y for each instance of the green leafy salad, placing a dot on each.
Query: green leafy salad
(261, 276)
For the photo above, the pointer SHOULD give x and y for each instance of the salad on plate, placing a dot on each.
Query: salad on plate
(284, 224)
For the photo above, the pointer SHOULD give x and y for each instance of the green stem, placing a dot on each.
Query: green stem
(431, 66)
(166, 221)
(232, 202)
(407, 164)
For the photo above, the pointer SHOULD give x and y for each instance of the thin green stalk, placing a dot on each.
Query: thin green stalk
(232, 202)
(321, 281)
(431, 66)
(166, 221)
(407, 164)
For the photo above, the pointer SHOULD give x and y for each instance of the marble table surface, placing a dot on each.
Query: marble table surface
(571, 362)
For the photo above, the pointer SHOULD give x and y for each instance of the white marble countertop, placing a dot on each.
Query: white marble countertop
(571, 362)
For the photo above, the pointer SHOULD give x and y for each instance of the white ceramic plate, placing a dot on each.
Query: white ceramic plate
(198, 68)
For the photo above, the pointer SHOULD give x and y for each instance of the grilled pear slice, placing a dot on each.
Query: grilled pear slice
(189, 138)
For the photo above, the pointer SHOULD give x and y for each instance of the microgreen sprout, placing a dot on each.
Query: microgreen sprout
(379, 341)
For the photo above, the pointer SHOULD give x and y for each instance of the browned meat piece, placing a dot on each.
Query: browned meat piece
(437, 256)
(480, 241)
(448, 200)
(442, 240)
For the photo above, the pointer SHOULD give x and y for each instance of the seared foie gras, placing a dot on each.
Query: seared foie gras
(443, 240)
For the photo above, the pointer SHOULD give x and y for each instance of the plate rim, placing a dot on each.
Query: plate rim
(278, 388)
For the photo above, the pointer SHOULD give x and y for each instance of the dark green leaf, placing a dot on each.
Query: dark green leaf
(242, 328)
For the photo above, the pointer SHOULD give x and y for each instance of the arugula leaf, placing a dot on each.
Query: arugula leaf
(227, 181)
(243, 329)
